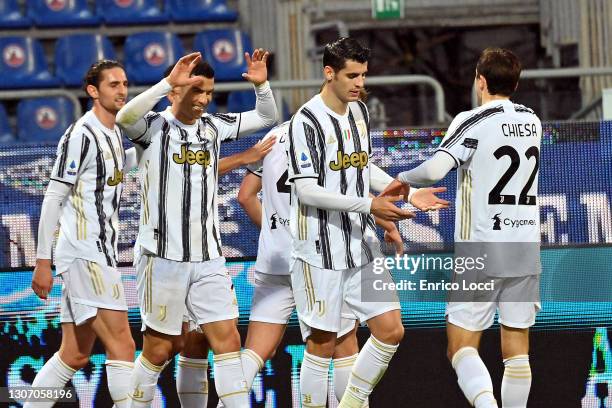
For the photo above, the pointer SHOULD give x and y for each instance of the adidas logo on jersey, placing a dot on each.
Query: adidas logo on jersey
(201, 157)
(331, 139)
(344, 161)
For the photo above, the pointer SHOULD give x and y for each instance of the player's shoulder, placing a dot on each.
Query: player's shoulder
(310, 110)
(228, 119)
(524, 110)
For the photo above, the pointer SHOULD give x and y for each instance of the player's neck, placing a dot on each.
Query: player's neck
(486, 98)
(105, 117)
(333, 102)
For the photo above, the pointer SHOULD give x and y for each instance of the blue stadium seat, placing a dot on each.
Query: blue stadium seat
(241, 101)
(74, 55)
(58, 13)
(147, 55)
(6, 134)
(23, 64)
(43, 119)
(200, 10)
(119, 12)
(11, 16)
(224, 49)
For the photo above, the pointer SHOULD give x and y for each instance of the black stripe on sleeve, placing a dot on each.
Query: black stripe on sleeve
(469, 123)
(61, 168)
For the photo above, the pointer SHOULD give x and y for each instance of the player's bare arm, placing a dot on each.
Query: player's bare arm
(249, 156)
(247, 197)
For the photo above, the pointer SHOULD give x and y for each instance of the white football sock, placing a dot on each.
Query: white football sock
(229, 380)
(370, 366)
(118, 375)
(313, 380)
(474, 378)
(516, 382)
(55, 373)
(192, 382)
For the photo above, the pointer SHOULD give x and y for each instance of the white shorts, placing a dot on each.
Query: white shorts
(479, 316)
(88, 286)
(273, 302)
(168, 290)
(324, 296)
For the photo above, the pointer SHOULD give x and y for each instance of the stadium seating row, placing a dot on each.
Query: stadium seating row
(46, 118)
(67, 13)
(147, 55)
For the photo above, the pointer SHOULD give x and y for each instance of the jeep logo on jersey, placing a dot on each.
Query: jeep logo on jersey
(56, 5)
(46, 117)
(13, 55)
(201, 157)
(223, 50)
(344, 161)
(155, 54)
(115, 179)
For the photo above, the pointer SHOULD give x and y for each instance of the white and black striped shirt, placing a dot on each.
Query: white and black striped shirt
(90, 157)
(335, 150)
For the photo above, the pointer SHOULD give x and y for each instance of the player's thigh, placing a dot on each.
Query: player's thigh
(211, 297)
(346, 343)
(113, 330)
(222, 335)
(459, 337)
(77, 343)
(318, 297)
(162, 289)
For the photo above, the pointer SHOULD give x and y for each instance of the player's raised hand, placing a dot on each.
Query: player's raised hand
(257, 71)
(259, 150)
(384, 208)
(181, 73)
(425, 199)
(42, 278)
(396, 188)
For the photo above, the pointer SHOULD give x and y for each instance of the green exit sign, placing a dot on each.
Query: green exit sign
(387, 9)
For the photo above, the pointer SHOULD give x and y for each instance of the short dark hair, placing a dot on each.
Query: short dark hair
(94, 73)
(337, 53)
(502, 70)
(202, 69)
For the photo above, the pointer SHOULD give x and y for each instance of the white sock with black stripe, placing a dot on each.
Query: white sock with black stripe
(118, 375)
(313, 380)
(516, 383)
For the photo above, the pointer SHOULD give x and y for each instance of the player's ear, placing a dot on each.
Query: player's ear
(92, 91)
(328, 73)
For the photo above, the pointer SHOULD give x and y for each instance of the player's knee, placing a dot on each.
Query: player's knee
(76, 361)
(394, 335)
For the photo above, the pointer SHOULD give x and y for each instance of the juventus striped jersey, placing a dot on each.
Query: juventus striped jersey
(496, 149)
(178, 173)
(274, 249)
(90, 157)
(335, 150)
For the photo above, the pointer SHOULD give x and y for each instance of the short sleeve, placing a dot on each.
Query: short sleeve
(73, 155)
(459, 142)
(255, 168)
(303, 153)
